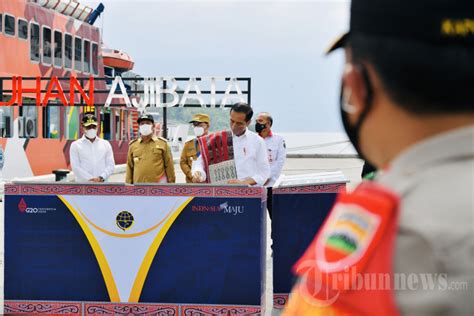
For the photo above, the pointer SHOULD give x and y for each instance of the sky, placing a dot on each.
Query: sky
(279, 44)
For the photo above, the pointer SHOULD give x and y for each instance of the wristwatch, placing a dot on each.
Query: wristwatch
(101, 179)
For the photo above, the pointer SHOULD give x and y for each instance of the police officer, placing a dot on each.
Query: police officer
(407, 107)
(149, 158)
(201, 124)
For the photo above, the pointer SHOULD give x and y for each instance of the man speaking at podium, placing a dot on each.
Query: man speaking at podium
(238, 156)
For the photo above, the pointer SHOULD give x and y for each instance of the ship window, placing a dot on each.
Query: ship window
(6, 121)
(58, 49)
(106, 123)
(67, 51)
(77, 54)
(126, 125)
(71, 122)
(51, 115)
(121, 125)
(87, 56)
(47, 45)
(27, 127)
(118, 125)
(9, 25)
(22, 29)
(109, 72)
(95, 58)
(132, 132)
(34, 42)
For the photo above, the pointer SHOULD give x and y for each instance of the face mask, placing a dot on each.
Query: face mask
(353, 131)
(145, 129)
(259, 127)
(91, 133)
(198, 131)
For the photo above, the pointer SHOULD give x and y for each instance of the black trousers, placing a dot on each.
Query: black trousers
(269, 202)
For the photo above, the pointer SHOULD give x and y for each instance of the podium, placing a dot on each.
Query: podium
(300, 206)
(84, 249)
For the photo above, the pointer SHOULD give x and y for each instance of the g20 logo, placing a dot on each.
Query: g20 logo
(25, 209)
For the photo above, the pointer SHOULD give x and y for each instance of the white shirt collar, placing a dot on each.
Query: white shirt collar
(243, 135)
(85, 139)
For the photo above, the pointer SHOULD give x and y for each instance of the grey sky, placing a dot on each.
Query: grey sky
(279, 44)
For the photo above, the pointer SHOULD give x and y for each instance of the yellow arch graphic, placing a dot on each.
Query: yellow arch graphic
(150, 255)
(103, 264)
(126, 235)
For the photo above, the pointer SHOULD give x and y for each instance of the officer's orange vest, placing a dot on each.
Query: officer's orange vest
(347, 269)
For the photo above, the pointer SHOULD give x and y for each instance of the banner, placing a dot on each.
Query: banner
(182, 246)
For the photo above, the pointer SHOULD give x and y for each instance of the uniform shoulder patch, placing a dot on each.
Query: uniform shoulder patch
(132, 141)
(346, 236)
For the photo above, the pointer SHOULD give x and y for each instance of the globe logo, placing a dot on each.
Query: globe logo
(124, 220)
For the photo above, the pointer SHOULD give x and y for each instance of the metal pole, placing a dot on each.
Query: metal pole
(249, 91)
(165, 124)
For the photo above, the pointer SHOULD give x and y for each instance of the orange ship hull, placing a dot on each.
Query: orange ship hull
(45, 147)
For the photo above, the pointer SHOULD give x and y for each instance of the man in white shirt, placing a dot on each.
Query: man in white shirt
(276, 147)
(276, 150)
(249, 151)
(92, 158)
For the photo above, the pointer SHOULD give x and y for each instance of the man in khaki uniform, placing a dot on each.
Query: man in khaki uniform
(201, 124)
(149, 158)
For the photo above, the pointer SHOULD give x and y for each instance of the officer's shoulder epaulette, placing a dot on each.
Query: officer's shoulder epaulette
(163, 139)
(132, 141)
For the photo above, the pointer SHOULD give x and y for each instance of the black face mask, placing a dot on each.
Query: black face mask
(259, 127)
(353, 131)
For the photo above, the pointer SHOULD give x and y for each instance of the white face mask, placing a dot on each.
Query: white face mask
(91, 133)
(145, 129)
(198, 131)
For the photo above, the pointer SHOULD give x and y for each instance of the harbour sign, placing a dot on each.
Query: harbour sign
(138, 92)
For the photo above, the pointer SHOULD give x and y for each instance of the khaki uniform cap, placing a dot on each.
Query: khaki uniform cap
(201, 118)
(89, 120)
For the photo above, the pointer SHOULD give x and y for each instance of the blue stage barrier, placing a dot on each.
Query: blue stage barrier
(97, 249)
(298, 213)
